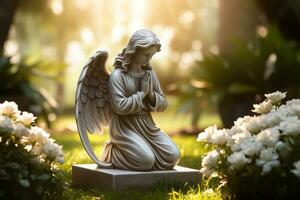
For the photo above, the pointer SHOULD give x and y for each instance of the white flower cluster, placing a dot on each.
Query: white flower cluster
(34, 139)
(261, 141)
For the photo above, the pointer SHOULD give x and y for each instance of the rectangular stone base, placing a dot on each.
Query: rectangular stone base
(89, 176)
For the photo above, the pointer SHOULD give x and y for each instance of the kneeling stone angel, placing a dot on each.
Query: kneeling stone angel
(124, 100)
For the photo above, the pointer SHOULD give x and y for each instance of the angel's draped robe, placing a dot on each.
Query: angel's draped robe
(136, 143)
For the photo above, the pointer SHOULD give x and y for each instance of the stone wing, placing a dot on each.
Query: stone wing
(92, 108)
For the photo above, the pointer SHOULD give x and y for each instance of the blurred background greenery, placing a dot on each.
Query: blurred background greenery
(218, 57)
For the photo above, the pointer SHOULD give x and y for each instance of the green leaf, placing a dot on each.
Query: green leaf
(39, 189)
(43, 177)
(25, 183)
(33, 177)
(13, 165)
(2, 172)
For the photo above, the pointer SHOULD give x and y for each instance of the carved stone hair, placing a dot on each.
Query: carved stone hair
(141, 39)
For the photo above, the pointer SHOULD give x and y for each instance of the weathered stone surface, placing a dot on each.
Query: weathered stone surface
(89, 176)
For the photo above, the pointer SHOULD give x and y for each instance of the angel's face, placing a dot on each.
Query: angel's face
(144, 56)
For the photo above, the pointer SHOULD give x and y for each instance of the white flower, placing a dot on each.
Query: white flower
(242, 120)
(237, 159)
(293, 102)
(9, 109)
(280, 146)
(267, 159)
(268, 166)
(255, 124)
(290, 126)
(6, 124)
(284, 111)
(295, 109)
(268, 137)
(36, 149)
(296, 170)
(242, 136)
(211, 159)
(268, 155)
(206, 171)
(220, 137)
(202, 137)
(276, 97)
(60, 158)
(53, 151)
(26, 118)
(270, 120)
(230, 141)
(250, 147)
(21, 130)
(38, 135)
(206, 135)
(263, 107)
(237, 139)
(236, 147)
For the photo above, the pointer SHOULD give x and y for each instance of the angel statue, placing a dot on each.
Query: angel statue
(123, 100)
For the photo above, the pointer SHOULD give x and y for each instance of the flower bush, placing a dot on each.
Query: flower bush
(28, 157)
(258, 157)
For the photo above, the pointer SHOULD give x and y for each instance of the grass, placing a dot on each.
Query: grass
(191, 152)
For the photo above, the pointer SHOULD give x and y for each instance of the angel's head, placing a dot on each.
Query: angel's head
(142, 45)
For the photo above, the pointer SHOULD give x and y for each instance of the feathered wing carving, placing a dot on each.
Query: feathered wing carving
(92, 108)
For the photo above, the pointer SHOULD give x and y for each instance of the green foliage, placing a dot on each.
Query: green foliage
(19, 83)
(203, 192)
(263, 65)
(23, 177)
(25, 174)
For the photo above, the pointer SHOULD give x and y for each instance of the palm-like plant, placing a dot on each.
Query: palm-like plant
(254, 68)
(17, 85)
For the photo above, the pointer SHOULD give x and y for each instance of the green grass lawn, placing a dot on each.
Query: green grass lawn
(191, 152)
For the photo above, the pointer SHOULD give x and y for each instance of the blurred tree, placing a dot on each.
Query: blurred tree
(7, 13)
(48, 34)
(8, 10)
(19, 77)
(238, 21)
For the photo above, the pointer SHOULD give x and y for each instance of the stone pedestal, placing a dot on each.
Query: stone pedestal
(89, 176)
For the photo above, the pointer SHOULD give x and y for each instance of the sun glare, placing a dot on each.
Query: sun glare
(87, 35)
(137, 14)
(56, 7)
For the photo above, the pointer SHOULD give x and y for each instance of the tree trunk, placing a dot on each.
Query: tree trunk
(238, 20)
(7, 13)
(61, 50)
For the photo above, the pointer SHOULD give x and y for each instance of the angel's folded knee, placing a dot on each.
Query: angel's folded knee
(175, 155)
(146, 161)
